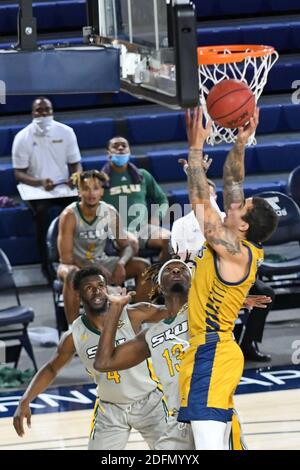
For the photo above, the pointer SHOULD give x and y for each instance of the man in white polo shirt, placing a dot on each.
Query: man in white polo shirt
(45, 153)
(186, 233)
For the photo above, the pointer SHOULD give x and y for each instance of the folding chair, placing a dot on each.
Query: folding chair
(14, 320)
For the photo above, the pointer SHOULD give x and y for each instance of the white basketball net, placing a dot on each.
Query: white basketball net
(252, 70)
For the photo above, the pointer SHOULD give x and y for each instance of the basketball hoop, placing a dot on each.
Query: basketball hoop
(245, 63)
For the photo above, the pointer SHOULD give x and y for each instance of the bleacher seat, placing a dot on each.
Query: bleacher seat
(18, 104)
(216, 8)
(92, 133)
(163, 126)
(16, 222)
(71, 14)
(268, 156)
(293, 185)
(284, 32)
(58, 15)
(21, 250)
(288, 231)
(180, 196)
(14, 320)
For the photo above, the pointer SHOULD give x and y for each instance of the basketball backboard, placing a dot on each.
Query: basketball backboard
(158, 47)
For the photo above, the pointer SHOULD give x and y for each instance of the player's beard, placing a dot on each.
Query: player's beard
(96, 311)
(178, 288)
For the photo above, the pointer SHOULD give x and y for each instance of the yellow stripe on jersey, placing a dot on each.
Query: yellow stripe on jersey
(159, 386)
(96, 406)
(153, 375)
(213, 303)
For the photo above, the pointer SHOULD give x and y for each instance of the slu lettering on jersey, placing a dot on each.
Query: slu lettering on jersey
(125, 189)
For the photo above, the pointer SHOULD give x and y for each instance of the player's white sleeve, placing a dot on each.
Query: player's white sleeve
(177, 236)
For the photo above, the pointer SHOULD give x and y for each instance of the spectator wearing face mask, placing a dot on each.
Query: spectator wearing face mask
(44, 154)
(131, 190)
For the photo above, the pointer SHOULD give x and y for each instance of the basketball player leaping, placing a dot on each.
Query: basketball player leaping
(225, 270)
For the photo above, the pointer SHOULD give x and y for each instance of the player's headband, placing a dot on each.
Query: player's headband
(166, 264)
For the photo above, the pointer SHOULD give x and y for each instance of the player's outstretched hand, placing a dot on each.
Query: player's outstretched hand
(245, 132)
(121, 298)
(23, 411)
(259, 301)
(197, 133)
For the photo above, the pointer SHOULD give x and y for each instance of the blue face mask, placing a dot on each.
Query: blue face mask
(120, 160)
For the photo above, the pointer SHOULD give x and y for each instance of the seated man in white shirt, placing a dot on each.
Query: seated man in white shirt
(44, 154)
(186, 234)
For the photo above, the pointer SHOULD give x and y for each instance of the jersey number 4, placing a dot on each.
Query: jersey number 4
(114, 376)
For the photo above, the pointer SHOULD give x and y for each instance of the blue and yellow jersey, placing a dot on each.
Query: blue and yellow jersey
(214, 304)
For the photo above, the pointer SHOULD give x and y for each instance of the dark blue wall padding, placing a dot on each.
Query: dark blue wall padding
(16, 222)
(180, 196)
(276, 156)
(7, 134)
(265, 157)
(92, 133)
(61, 71)
(164, 165)
(60, 15)
(283, 35)
(7, 180)
(94, 163)
(283, 74)
(54, 15)
(233, 7)
(71, 14)
(22, 104)
(20, 250)
(155, 128)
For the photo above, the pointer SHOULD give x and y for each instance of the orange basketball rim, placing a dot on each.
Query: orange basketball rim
(247, 63)
(232, 53)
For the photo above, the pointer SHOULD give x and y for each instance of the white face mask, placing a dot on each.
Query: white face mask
(42, 125)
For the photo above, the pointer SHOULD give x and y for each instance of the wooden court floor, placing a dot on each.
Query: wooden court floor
(271, 420)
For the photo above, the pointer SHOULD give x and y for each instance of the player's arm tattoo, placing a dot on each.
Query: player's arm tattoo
(233, 176)
(217, 235)
(197, 180)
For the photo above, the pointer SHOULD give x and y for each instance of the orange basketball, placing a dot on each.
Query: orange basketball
(230, 103)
